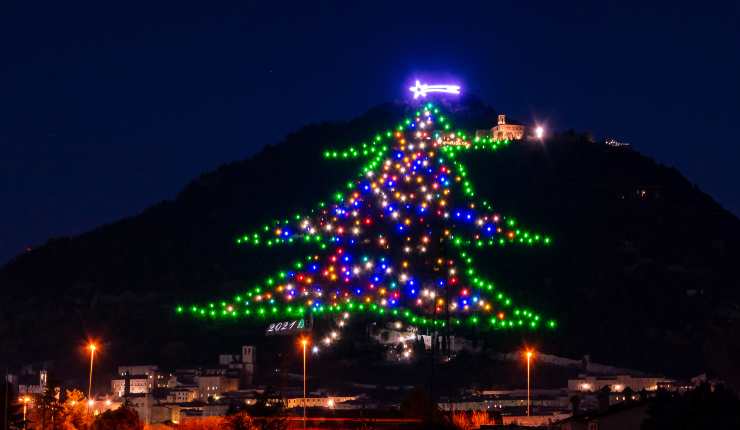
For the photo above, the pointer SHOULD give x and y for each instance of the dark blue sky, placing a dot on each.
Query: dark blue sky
(107, 108)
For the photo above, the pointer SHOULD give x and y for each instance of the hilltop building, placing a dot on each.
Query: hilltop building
(503, 130)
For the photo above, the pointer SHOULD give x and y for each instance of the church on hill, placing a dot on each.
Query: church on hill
(503, 130)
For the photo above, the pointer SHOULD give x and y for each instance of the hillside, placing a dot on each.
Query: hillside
(641, 273)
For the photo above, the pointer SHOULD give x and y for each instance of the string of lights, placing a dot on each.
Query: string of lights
(396, 242)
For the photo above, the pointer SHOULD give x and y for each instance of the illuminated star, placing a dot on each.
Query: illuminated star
(421, 90)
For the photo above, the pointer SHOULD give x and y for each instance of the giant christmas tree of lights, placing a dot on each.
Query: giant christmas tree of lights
(396, 243)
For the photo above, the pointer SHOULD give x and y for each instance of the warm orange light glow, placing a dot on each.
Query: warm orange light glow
(92, 347)
(304, 342)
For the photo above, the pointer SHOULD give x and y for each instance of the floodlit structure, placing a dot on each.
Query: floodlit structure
(618, 383)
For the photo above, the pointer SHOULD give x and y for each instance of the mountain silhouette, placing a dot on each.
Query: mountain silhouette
(641, 273)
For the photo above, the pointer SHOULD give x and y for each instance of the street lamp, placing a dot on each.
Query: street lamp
(25, 400)
(529, 354)
(539, 132)
(304, 343)
(92, 347)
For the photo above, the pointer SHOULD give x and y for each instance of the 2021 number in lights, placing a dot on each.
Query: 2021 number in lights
(421, 90)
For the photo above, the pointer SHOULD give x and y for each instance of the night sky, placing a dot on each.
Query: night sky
(106, 109)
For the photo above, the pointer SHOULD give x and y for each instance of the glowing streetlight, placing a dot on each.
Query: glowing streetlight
(529, 354)
(92, 347)
(539, 132)
(25, 400)
(304, 344)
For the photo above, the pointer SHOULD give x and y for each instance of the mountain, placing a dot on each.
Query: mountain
(642, 271)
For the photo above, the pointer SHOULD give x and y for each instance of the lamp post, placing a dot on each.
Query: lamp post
(529, 354)
(25, 400)
(92, 347)
(304, 343)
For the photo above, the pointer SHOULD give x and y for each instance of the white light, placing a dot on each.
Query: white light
(421, 90)
(539, 132)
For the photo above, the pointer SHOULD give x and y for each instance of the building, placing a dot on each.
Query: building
(215, 382)
(32, 383)
(249, 361)
(142, 404)
(183, 394)
(317, 402)
(244, 362)
(131, 384)
(617, 383)
(503, 130)
(145, 369)
(549, 400)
